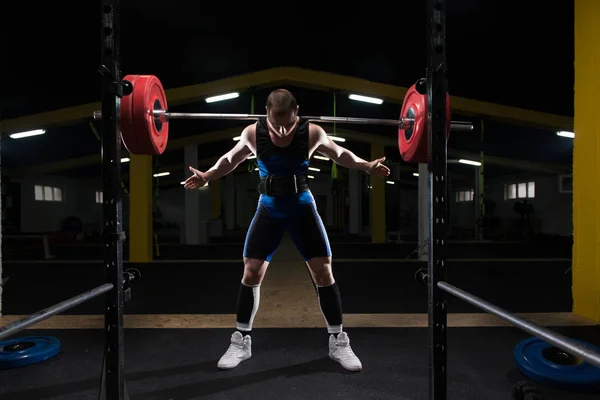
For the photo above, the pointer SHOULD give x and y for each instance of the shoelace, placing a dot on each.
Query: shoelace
(233, 348)
(345, 349)
(346, 352)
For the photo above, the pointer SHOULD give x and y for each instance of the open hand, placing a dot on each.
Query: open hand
(197, 180)
(377, 168)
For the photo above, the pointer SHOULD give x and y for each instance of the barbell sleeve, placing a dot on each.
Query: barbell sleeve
(404, 123)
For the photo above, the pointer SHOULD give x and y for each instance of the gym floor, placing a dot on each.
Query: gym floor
(181, 315)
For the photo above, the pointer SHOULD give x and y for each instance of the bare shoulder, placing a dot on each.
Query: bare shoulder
(249, 132)
(315, 129)
(315, 132)
(248, 135)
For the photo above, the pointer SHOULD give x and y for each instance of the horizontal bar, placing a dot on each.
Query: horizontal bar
(556, 339)
(404, 123)
(58, 308)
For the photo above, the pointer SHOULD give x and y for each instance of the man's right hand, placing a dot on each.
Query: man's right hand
(197, 180)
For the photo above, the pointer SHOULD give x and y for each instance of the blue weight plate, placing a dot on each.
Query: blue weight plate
(543, 363)
(27, 350)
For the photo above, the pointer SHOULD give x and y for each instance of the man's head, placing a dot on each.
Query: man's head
(282, 110)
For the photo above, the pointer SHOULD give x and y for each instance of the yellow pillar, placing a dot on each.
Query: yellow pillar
(215, 196)
(377, 202)
(586, 162)
(140, 209)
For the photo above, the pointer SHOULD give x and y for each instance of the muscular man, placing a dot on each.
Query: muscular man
(283, 144)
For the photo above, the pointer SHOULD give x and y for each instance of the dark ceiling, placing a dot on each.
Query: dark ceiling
(508, 52)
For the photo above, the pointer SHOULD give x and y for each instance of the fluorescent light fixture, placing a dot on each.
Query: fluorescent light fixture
(321, 158)
(566, 134)
(161, 174)
(251, 157)
(237, 138)
(337, 138)
(469, 162)
(222, 97)
(390, 182)
(310, 177)
(314, 169)
(125, 159)
(25, 134)
(365, 99)
(415, 174)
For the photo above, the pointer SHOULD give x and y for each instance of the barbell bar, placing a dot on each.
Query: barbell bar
(145, 116)
(403, 123)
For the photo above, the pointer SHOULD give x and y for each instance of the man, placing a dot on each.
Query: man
(283, 144)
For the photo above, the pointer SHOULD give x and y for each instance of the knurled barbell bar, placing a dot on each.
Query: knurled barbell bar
(403, 123)
(145, 120)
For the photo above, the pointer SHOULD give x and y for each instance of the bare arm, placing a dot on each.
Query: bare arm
(230, 160)
(338, 154)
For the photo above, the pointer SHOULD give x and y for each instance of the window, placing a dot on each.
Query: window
(521, 190)
(99, 197)
(464, 195)
(48, 193)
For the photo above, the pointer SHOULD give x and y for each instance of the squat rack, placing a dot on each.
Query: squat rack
(436, 89)
(435, 275)
(117, 289)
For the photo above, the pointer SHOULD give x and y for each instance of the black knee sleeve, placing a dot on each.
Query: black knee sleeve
(248, 301)
(331, 307)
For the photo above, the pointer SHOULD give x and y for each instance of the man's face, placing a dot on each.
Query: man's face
(282, 124)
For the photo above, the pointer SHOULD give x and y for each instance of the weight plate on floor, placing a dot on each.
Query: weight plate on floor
(548, 365)
(27, 350)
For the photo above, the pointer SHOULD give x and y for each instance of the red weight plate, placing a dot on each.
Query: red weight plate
(413, 143)
(127, 129)
(151, 135)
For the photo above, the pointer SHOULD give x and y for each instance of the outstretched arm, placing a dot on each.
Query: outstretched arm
(224, 165)
(345, 157)
(230, 160)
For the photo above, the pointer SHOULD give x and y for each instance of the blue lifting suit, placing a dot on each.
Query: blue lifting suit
(285, 202)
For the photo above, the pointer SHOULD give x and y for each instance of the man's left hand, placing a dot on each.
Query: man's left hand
(377, 168)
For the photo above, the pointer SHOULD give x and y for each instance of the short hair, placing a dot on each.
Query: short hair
(281, 102)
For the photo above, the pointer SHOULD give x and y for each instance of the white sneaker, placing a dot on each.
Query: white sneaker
(239, 350)
(341, 352)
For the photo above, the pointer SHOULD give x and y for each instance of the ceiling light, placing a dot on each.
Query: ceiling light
(365, 99)
(161, 174)
(22, 135)
(222, 97)
(469, 162)
(566, 134)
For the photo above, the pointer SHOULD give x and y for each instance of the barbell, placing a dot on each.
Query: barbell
(145, 120)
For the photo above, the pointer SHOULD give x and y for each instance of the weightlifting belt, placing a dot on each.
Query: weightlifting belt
(276, 185)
